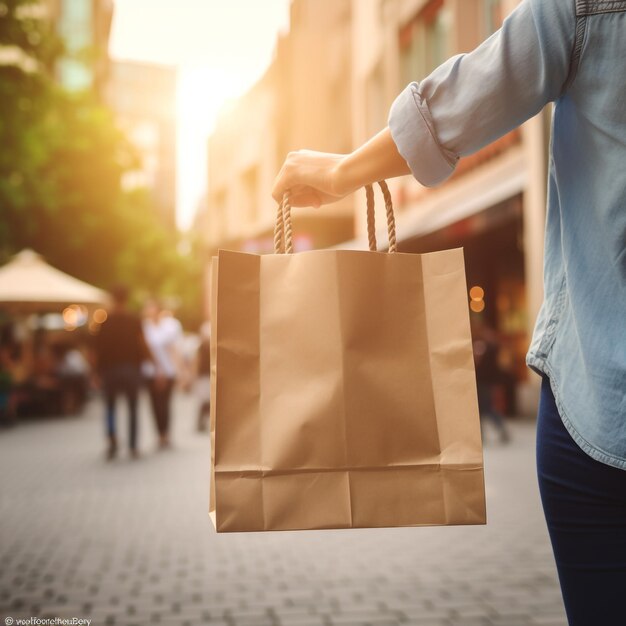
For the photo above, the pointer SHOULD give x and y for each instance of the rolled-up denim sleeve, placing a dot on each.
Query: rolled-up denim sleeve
(472, 99)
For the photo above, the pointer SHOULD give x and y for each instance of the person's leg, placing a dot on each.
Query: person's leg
(203, 392)
(584, 502)
(166, 401)
(131, 392)
(155, 403)
(483, 405)
(204, 412)
(159, 394)
(109, 400)
(498, 421)
(488, 411)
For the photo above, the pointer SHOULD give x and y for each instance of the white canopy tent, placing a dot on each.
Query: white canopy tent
(28, 283)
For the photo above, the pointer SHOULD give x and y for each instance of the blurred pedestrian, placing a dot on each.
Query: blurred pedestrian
(488, 376)
(73, 372)
(18, 363)
(572, 54)
(163, 333)
(7, 404)
(120, 350)
(203, 376)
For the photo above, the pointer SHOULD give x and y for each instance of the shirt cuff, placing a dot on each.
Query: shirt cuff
(413, 132)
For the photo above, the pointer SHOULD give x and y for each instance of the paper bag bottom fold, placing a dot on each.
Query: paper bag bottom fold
(423, 495)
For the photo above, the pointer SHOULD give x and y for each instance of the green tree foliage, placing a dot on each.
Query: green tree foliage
(29, 49)
(62, 160)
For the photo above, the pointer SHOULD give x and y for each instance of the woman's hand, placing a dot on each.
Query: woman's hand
(313, 178)
(316, 178)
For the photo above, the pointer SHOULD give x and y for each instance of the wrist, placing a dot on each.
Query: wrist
(377, 159)
(342, 175)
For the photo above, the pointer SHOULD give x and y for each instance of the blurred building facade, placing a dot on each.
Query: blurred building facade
(143, 98)
(85, 27)
(141, 95)
(493, 205)
(286, 109)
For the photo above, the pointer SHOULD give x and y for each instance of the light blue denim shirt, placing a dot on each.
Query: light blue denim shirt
(572, 53)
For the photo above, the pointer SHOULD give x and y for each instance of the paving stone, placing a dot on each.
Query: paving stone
(340, 619)
(511, 620)
(301, 620)
(252, 621)
(548, 620)
(471, 621)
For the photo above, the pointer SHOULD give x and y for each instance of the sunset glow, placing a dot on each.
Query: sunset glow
(220, 49)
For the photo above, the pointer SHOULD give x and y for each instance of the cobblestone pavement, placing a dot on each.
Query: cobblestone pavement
(130, 543)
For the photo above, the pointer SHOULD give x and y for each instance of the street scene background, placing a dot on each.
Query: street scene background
(138, 138)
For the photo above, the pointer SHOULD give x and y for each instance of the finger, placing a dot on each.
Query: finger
(284, 179)
(299, 195)
(305, 197)
(278, 189)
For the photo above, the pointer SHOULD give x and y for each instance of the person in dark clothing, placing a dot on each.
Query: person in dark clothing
(203, 377)
(488, 375)
(120, 350)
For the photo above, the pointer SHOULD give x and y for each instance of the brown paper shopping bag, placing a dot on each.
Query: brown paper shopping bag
(343, 388)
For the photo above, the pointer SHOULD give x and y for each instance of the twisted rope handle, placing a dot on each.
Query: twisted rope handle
(371, 218)
(278, 231)
(287, 223)
(391, 220)
(283, 236)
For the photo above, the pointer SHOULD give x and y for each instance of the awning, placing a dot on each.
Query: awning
(28, 283)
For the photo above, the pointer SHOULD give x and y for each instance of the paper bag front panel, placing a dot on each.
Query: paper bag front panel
(327, 412)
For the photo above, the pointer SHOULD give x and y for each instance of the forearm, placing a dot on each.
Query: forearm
(377, 159)
(316, 178)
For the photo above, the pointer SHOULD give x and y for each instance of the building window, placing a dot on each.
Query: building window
(424, 41)
(76, 29)
(493, 12)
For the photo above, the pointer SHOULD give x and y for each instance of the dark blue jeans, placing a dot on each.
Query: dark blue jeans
(584, 502)
(122, 380)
